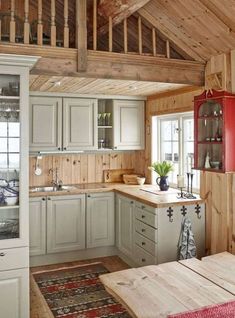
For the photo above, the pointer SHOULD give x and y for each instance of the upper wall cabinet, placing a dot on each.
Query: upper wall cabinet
(79, 124)
(128, 124)
(63, 124)
(45, 123)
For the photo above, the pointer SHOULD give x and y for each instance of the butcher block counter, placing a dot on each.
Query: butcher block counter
(160, 290)
(147, 194)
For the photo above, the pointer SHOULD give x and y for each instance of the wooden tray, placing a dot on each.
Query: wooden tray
(116, 175)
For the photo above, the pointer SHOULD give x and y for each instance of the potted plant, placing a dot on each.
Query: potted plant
(162, 169)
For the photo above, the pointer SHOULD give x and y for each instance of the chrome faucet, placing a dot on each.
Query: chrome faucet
(56, 182)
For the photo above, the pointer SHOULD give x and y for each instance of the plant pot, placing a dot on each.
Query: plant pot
(163, 183)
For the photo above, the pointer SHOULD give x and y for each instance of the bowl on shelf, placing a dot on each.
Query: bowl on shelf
(215, 164)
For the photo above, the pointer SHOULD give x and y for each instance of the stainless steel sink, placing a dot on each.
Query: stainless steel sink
(53, 189)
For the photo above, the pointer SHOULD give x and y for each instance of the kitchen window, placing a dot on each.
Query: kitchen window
(173, 140)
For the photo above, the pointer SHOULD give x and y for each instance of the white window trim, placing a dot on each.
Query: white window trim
(156, 152)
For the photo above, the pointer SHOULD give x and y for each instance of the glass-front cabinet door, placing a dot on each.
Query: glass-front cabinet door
(13, 158)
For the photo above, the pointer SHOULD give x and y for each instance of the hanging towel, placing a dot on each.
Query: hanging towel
(186, 245)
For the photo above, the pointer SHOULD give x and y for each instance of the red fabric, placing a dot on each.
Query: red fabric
(225, 310)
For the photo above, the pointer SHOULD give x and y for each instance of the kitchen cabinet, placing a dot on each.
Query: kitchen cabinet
(214, 131)
(65, 223)
(79, 124)
(37, 226)
(128, 122)
(149, 235)
(58, 124)
(45, 129)
(100, 219)
(13, 298)
(124, 225)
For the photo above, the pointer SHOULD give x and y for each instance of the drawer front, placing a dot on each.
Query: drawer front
(14, 258)
(146, 217)
(149, 208)
(146, 244)
(146, 230)
(143, 258)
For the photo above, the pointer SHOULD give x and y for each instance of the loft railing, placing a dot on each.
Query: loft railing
(65, 23)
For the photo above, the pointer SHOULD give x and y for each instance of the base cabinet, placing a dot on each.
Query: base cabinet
(100, 219)
(65, 223)
(14, 291)
(124, 225)
(37, 226)
(149, 235)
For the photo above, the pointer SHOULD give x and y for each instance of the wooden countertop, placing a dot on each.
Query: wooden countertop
(136, 192)
(170, 288)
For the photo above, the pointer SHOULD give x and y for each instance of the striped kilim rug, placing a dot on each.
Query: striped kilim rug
(77, 292)
(225, 310)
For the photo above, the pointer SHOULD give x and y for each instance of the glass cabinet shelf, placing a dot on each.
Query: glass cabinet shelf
(10, 97)
(8, 207)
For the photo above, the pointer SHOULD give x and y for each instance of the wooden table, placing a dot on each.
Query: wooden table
(170, 288)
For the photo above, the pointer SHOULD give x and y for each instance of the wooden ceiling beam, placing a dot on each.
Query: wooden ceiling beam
(118, 10)
(183, 48)
(106, 65)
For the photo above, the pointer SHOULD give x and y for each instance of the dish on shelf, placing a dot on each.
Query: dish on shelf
(215, 164)
(9, 226)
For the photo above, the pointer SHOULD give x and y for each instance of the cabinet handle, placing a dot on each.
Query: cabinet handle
(143, 230)
(88, 196)
(59, 148)
(143, 243)
(65, 148)
(2, 254)
(132, 202)
(143, 260)
(48, 198)
(43, 199)
(142, 216)
(143, 207)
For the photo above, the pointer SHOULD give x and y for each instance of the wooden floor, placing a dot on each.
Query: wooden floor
(38, 308)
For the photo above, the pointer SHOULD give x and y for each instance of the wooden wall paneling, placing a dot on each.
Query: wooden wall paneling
(76, 169)
(84, 168)
(91, 169)
(45, 163)
(99, 168)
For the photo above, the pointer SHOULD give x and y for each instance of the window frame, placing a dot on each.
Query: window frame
(157, 138)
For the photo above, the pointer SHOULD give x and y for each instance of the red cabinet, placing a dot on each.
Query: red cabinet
(214, 129)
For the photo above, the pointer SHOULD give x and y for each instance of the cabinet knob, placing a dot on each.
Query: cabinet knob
(143, 260)
(143, 230)
(142, 216)
(88, 196)
(143, 243)
(43, 199)
(2, 254)
(65, 148)
(59, 148)
(143, 207)
(49, 198)
(132, 202)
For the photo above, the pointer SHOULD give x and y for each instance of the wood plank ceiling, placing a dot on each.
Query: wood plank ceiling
(202, 28)
(80, 85)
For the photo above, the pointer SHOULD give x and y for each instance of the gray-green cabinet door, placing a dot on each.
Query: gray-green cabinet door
(100, 219)
(124, 225)
(37, 226)
(79, 124)
(128, 130)
(65, 223)
(45, 122)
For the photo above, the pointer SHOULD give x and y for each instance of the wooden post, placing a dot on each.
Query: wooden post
(154, 41)
(66, 26)
(140, 34)
(95, 25)
(53, 26)
(125, 35)
(81, 8)
(26, 21)
(110, 34)
(12, 23)
(40, 25)
(168, 49)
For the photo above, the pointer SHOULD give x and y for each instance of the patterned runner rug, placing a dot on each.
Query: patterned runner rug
(77, 292)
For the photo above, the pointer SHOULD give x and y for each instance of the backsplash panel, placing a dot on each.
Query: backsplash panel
(84, 168)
